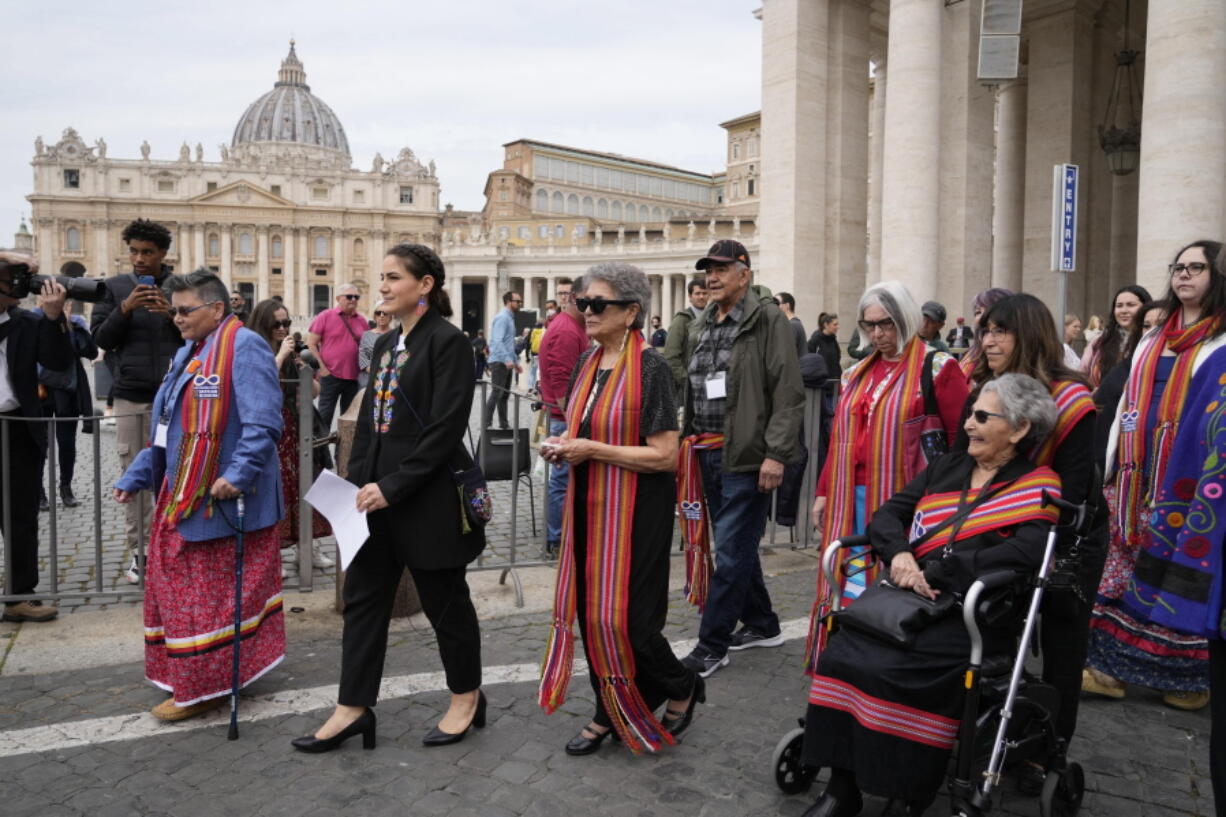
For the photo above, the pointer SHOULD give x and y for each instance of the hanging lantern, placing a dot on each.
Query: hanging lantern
(1120, 133)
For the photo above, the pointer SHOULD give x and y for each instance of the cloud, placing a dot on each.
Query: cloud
(453, 80)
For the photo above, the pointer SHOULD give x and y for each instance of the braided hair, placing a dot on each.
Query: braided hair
(420, 261)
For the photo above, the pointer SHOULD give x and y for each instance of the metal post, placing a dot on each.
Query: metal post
(514, 474)
(97, 437)
(6, 475)
(482, 443)
(306, 439)
(52, 527)
(140, 516)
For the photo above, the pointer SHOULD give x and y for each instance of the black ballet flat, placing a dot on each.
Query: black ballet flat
(830, 806)
(364, 725)
(680, 721)
(581, 744)
(437, 737)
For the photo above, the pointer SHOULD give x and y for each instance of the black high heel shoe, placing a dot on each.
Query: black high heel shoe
(680, 721)
(437, 737)
(364, 725)
(581, 744)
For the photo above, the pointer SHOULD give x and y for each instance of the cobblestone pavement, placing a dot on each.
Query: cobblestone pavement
(1140, 758)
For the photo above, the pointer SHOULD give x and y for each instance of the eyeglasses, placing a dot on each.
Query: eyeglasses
(597, 305)
(285, 324)
(380, 313)
(351, 297)
(884, 325)
(982, 416)
(187, 310)
(563, 294)
(995, 332)
(1188, 270)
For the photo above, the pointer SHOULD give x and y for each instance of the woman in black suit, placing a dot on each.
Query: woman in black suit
(409, 436)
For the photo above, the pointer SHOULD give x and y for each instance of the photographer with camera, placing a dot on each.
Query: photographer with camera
(26, 342)
(133, 323)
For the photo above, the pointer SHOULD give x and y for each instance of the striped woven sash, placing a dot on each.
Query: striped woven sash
(695, 519)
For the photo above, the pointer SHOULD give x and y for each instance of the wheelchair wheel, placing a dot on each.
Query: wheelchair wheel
(792, 776)
(1063, 792)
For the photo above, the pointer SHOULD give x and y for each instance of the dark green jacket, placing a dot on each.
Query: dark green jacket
(675, 346)
(765, 396)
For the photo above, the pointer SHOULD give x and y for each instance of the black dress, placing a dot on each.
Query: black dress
(659, 675)
(897, 711)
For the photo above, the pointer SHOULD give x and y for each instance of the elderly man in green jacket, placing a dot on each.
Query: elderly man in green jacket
(743, 407)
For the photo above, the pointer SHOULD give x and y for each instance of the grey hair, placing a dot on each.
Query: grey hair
(628, 283)
(346, 288)
(204, 283)
(898, 303)
(1024, 398)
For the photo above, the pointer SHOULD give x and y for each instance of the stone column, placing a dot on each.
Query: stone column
(493, 301)
(794, 111)
(876, 154)
(1010, 185)
(665, 307)
(262, 267)
(910, 179)
(102, 246)
(303, 274)
(289, 275)
(374, 267)
(1183, 134)
(340, 275)
(198, 244)
(227, 254)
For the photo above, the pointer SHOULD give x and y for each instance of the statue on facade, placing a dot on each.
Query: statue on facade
(642, 235)
(549, 238)
(621, 234)
(39, 146)
(199, 152)
(185, 153)
(689, 231)
(665, 231)
(431, 166)
(144, 150)
(599, 236)
(101, 145)
(377, 165)
(711, 227)
(736, 226)
(224, 150)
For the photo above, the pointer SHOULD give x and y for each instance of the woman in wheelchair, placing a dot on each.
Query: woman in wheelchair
(883, 717)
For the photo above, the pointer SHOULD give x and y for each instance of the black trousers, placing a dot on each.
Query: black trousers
(331, 390)
(1217, 723)
(370, 590)
(63, 403)
(25, 459)
(659, 675)
(500, 376)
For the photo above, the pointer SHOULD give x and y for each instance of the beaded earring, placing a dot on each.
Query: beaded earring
(421, 306)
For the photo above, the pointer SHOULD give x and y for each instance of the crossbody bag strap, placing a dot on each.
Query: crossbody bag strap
(957, 519)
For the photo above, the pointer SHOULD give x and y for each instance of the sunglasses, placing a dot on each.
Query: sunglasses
(285, 324)
(868, 326)
(187, 310)
(982, 416)
(351, 297)
(380, 314)
(597, 305)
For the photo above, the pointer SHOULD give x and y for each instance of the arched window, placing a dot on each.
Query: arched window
(214, 245)
(589, 209)
(617, 211)
(72, 240)
(321, 247)
(572, 204)
(245, 244)
(556, 203)
(602, 208)
(559, 231)
(359, 248)
(668, 214)
(542, 201)
(656, 214)
(277, 247)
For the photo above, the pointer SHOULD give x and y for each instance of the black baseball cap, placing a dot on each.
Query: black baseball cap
(933, 311)
(724, 251)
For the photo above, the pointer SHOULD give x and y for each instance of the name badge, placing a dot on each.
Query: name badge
(159, 435)
(717, 386)
(207, 386)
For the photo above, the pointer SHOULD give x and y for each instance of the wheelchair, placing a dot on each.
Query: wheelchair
(1007, 713)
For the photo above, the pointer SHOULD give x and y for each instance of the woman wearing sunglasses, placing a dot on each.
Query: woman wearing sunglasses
(1124, 650)
(621, 444)
(270, 320)
(383, 324)
(1018, 335)
(867, 461)
(408, 444)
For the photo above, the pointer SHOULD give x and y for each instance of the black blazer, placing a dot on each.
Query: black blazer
(411, 462)
(35, 340)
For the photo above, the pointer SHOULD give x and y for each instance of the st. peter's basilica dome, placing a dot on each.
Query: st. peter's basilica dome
(291, 113)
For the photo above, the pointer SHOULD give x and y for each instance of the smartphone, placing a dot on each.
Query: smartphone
(145, 280)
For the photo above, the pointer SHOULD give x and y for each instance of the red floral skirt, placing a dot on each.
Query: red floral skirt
(189, 610)
(287, 455)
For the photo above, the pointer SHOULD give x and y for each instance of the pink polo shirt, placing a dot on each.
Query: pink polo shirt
(337, 347)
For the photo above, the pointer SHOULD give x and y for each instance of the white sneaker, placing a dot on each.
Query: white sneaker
(132, 574)
(320, 559)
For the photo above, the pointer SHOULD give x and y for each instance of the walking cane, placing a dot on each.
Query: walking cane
(238, 618)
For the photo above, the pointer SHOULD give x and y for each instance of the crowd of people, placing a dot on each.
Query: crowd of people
(938, 449)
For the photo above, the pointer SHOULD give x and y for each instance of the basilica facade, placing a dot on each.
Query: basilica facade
(281, 212)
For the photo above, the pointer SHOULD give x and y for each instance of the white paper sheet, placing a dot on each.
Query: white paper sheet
(335, 499)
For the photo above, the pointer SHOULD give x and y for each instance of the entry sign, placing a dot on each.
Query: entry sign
(1064, 218)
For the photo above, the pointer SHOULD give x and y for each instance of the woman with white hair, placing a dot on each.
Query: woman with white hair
(884, 399)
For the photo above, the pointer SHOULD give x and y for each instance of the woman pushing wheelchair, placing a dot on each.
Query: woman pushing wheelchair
(883, 715)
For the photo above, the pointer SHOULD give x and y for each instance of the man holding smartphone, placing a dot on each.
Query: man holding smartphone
(133, 324)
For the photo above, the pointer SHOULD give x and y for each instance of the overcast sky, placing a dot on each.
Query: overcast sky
(453, 80)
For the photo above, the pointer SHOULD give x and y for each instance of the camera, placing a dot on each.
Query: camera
(24, 282)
